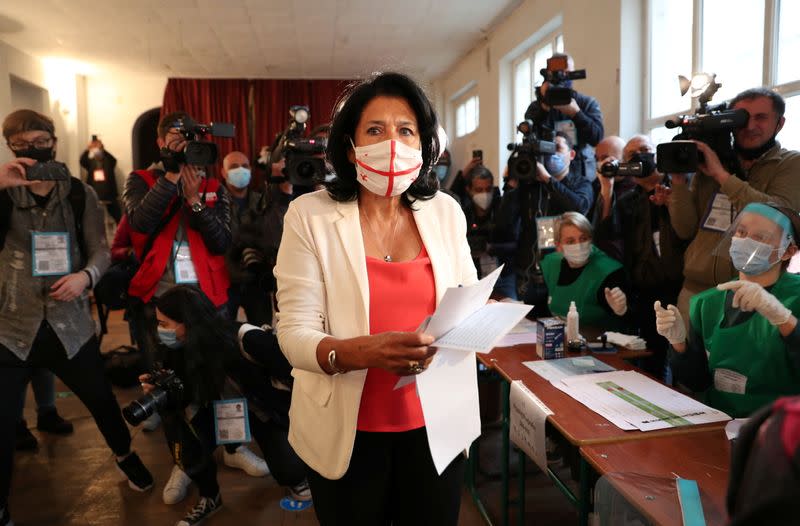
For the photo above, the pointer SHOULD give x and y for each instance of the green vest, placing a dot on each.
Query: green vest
(583, 291)
(749, 357)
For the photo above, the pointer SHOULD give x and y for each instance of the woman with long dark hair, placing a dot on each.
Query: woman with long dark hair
(203, 350)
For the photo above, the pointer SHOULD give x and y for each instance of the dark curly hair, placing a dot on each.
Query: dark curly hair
(210, 339)
(345, 186)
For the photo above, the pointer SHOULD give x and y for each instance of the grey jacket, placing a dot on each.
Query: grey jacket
(24, 299)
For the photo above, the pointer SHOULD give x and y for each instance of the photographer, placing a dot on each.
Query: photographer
(531, 205)
(100, 165)
(648, 246)
(581, 120)
(53, 250)
(480, 207)
(704, 210)
(209, 365)
(184, 217)
(609, 150)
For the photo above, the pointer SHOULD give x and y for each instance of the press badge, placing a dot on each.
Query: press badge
(231, 423)
(51, 254)
(719, 215)
(728, 381)
(546, 232)
(99, 175)
(184, 267)
(567, 127)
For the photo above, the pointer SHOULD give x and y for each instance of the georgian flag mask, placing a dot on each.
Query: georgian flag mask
(387, 168)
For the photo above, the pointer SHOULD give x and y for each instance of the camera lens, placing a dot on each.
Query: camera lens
(136, 413)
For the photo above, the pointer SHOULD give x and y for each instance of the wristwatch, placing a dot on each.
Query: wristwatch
(198, 206)
(332, 363)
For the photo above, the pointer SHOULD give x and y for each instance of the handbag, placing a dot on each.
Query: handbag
(112, 289)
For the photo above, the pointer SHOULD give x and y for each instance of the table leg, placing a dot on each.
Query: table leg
(584, 492)
(473, 464)
(521, 489)
(504, 457)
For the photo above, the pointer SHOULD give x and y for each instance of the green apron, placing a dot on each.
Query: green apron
(749, 362)
(583, 291)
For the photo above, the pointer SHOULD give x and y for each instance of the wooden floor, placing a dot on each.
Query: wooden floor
(72, 480)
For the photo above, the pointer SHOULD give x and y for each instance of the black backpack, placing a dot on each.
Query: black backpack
(77, 200)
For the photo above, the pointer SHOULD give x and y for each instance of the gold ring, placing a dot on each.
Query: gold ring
(415, 367)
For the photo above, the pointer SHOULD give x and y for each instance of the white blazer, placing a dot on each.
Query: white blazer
(323, 290)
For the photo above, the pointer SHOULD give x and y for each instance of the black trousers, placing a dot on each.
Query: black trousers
(253, 299)
(192, 446)
(83, 374)
(391, 480)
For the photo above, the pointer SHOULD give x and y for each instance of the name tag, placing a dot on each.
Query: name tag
(99, 175)
(719, 215)
(231, 421)
(184, 266)
(51, 253)
(211, 198)
(546, 232)
(728, 381)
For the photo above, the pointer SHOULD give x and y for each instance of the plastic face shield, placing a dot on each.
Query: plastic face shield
(766, 233)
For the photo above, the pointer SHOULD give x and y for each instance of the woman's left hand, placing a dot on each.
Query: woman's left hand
(750, 296)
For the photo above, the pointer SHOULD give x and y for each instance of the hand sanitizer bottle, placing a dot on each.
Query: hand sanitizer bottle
(573, 332)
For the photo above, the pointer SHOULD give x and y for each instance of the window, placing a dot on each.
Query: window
(747, 43)
(467, 116)
(526, 71)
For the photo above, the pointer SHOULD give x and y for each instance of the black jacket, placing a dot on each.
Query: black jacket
(107, 189)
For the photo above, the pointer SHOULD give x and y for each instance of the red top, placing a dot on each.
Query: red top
(401, 296)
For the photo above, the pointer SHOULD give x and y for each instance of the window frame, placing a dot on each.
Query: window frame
(769, 72)
(555, 39)
(460, 103)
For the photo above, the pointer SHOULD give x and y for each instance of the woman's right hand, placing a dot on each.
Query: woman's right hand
(670, 325)
(397, 352)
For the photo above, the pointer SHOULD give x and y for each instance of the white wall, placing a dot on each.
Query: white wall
(115, 99)
(594, 33)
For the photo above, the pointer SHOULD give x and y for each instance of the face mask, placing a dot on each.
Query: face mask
(169, 338)
(239, 177)
(37, 154)
(750, 256)
(441, 172)
(648, 161)
(387, 168)
(578, 254)
(555, 165)
(482, 200)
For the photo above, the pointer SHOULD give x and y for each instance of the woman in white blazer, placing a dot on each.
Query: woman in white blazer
(361, 265)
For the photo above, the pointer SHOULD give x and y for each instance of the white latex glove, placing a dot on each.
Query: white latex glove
(669, 323)
(617, 300)
(749, 296)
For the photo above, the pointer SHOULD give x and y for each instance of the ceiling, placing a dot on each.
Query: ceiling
(253, 38)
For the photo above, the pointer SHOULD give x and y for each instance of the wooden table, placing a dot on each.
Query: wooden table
(577, 423)
(704, 457)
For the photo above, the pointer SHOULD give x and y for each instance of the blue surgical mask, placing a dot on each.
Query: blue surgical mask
(554, 164)
(751, 256)
(239, 177)
(169, 338)
(441, 172)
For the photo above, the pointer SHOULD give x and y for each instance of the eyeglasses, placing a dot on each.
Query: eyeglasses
(38, 143)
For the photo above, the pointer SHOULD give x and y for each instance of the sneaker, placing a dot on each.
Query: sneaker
(202, 510)
(25, 439)
(5, 518)
(139, 479)
(151, 423)
(247, 461)
(177, 486)
(51, 422)
(300, 492)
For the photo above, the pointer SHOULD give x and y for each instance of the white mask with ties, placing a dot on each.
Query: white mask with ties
(387, 168)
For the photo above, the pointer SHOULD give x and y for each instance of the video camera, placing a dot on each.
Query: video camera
(196, 152)
(558, 77)
(712, 125)
(304, 166)
(525, 154)
(614, 168)
(166, 394)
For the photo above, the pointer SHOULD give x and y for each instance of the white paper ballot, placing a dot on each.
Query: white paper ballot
(631, 400)
(528, 418)
(484, 328)
(448, 392)
(458, 303)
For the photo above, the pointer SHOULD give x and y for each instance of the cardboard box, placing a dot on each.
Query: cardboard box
(550, 338)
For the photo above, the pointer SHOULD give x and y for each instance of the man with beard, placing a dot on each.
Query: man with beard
(704, 209)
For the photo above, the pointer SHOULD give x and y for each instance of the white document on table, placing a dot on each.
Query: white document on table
(448, 393)
(631, 400)
(528, 418)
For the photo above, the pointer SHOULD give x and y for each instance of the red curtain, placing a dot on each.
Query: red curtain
(213, 100)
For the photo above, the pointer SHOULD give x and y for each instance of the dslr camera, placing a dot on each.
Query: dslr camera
(614, 168)
(534, 147)
(47, 171)
(559, 92)
(305, 165)
(166, 394)
(713, 125)
(197, 152)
